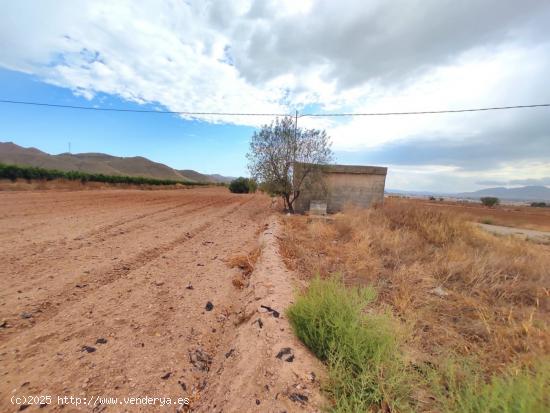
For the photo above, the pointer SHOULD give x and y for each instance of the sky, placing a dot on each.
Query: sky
(279, 56)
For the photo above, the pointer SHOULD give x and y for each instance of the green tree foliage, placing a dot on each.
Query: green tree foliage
(489, 201)
(242, 185)
(276, 147)
(14, 172)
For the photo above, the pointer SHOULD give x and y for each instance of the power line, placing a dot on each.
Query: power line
(160, 112)
(425, 112)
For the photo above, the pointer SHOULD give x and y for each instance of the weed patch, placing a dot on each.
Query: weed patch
(463, 389)
(360, 349)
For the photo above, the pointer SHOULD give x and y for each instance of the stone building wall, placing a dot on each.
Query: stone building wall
(340, 185)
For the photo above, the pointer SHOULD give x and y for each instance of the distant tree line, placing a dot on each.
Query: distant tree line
(540, 204)
(14, 172)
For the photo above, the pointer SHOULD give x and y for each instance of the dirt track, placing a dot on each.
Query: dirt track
(135, 268)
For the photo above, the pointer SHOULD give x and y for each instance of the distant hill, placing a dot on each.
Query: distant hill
(10, 153)
(196, 176)
(221, 178)
(524, 193)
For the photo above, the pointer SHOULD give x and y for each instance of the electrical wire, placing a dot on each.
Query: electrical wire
(160, 112)
(427, 112)
(177, 112)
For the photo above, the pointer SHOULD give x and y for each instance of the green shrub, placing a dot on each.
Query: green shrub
(489, 201)
(242, 185)
(360, 350)
(540, 204)
(14, 172)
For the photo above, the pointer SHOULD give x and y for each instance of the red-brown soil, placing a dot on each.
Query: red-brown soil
(130, 274)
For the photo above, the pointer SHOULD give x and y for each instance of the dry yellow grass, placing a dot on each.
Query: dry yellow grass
(246, 264)
(456, 289)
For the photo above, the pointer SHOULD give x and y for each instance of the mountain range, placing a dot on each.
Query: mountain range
(10, 153)
(522, 193)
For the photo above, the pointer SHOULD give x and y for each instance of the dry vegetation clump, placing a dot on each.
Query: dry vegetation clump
(456, 289)
(246, 264)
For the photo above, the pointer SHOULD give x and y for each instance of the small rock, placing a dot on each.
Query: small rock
(209, 306)
(4, 324)
(257, 402)
(159, 283)
(200, 359)
(229, 353)
(189, 286)
(166, 376)
(297, 397)
(440, 292)
(286, 354)
(259, 322)
(81, 285)
(26, 315)
(88, 349)
(23, 407)
(101, 341)
(273, 312)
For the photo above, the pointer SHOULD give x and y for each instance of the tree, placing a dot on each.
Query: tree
(276, 147)
(489, 201)
(242, 185)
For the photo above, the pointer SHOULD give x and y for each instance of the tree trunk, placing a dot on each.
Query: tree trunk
(288, 203)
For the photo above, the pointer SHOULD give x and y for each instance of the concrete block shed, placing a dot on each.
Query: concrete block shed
(339, 185)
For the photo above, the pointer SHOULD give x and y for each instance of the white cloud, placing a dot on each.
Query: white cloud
(163, 52)
(507, 76)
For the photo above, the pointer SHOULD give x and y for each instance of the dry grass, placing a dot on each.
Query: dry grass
(457, 290)
(518, 216)
(246, 264)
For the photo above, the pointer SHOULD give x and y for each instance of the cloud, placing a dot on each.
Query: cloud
(544, 181)
(487, 148)
(357, 41)
(160, 52)
(277, 56)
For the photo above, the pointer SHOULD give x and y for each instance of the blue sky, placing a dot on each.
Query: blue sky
(273, 56)
(170, 139)
(179, 143)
